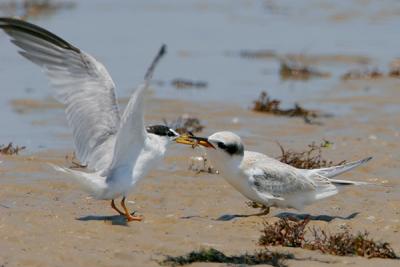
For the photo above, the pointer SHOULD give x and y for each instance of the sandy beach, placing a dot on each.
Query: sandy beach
(234, 49)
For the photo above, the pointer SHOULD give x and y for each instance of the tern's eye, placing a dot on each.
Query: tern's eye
(221, 145)
(171, 134)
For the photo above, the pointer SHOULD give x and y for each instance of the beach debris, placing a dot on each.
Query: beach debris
(284, 232)
(185, 124)
(289, 233)
(308, 159)
(258, 54)
(267, 105)
(362, 75)
(394, 73)
(34, 8)
(394, 68)
(187, 84)
(10, 149)
(200, 164)
(216, 256)
(296, 71)
(346, 243)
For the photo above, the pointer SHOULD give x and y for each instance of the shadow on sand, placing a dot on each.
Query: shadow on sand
(292, 216)
(113, 219)
(325, 218)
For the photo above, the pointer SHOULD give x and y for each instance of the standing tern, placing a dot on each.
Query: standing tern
(268, 181)
(117, 150)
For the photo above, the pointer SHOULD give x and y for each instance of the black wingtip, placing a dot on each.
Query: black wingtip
(9, 24)
(161, 52)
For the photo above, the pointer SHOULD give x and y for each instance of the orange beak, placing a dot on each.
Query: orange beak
(193, 141)
(203, 141)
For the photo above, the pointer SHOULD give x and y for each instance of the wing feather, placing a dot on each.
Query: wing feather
(80, 82)
(132, 134)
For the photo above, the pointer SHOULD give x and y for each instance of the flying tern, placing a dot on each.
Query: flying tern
(118, 150)
(268, 181)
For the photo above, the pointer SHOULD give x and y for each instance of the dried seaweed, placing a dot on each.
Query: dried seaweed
(10, 149)
(186, 84)
(296, 71)
(394, 73)
(216, 256)
(284, 233)
(345, 243)
(308, 159)
(267, 105)
(292, 234)
(185, 124)
(258, 54)
(34, 8)
(362, 75)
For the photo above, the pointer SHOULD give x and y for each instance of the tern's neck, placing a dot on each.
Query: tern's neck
(227, 166)
(158, 141)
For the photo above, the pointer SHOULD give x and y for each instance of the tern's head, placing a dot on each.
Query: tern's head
(226, 143)
(223, 148)
(163, 132)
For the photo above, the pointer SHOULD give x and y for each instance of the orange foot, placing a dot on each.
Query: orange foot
(129, 217)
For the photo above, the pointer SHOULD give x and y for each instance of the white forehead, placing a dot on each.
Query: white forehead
(225, 137)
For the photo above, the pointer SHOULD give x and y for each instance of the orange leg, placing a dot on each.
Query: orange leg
(128, 216)
(115, 208)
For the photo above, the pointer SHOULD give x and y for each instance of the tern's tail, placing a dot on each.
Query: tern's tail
(93, 183)
(337, 170)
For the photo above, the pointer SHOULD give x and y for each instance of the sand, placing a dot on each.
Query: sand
(47, 220)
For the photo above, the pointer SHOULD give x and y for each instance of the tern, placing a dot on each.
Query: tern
(268, 181)
(118, 150)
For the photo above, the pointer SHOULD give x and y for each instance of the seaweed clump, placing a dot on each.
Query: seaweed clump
(185, 124)
(292, 234)
(308, 159)
(267, 105)
(216, 256)
(296, 71)
(186, 84)
(284, 233)
(35, 8)
(362, 75)
(10, 149)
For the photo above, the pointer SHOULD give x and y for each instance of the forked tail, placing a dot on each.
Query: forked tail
(92, 183)
(337, 170)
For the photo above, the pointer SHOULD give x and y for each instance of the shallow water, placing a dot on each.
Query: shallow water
(204, 40)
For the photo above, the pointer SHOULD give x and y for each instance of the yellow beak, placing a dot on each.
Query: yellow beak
(194, 141)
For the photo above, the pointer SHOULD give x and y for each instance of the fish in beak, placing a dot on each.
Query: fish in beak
(194, 141)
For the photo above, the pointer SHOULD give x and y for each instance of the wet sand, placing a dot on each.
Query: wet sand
(46, 220)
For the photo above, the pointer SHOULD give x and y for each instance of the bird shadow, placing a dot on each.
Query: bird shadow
(323, 217)
(291, 216)
(229, 217)
(113, 219)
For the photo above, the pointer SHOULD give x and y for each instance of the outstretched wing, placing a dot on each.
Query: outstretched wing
(132, 134)
(80, 82)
